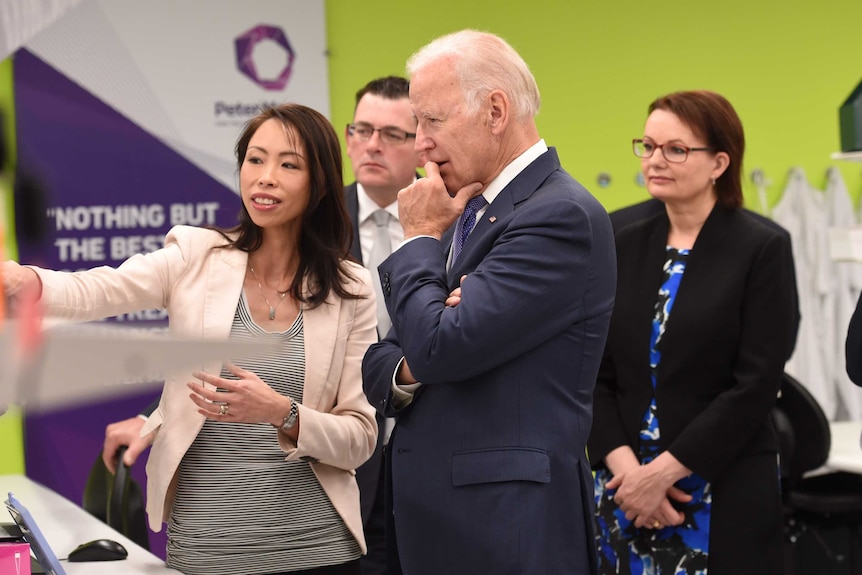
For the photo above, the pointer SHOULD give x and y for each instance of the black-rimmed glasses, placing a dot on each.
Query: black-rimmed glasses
(676, 153)
(388, 134)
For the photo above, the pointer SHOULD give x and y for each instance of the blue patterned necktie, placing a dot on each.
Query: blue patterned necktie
(466, 223)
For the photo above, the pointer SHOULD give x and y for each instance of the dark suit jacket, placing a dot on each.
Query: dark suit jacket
(487, 463)
(630, 214)
(723, 355)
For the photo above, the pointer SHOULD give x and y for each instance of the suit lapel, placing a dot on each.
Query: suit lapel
(351, 199)
(641, 253)
(518, 190)
(703, 267)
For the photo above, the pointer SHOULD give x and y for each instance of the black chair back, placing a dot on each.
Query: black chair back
(803, 430)
(117, 500)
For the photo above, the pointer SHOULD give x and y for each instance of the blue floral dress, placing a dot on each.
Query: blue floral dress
(683, 549)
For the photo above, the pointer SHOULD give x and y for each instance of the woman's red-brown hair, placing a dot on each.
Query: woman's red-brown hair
(711, 117)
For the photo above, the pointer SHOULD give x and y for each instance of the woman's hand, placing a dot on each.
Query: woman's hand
(19, 280)
(666, 514)
(644, 492)
(248, 399)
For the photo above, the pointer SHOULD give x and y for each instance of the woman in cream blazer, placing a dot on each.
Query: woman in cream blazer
(294, 232)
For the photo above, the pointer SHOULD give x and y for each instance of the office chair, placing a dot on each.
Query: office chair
(822, 513)
(117, 500)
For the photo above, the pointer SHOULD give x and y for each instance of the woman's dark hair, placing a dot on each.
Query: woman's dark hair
(326, 229)
(711, 117)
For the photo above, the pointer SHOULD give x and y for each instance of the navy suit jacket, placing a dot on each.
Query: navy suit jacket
(488, 471)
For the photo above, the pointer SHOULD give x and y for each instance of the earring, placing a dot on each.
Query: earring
(713, 181)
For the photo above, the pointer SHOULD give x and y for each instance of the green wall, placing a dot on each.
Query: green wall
(786, 65)
(11, 443)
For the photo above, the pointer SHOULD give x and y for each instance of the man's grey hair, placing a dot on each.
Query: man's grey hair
(483, 62)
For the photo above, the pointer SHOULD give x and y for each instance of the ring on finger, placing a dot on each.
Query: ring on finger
(656, 524)
(223, 409)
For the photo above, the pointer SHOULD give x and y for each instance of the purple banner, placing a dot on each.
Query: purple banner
(110, 190)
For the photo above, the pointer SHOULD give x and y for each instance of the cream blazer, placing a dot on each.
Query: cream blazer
(200, 286)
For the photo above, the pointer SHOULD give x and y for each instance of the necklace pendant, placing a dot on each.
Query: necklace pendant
(271, 312)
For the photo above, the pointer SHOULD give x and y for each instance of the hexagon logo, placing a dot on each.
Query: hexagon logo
(265, 55)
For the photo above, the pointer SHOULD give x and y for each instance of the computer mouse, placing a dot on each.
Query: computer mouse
(98, 550)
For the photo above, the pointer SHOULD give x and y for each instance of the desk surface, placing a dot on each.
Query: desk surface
(65, 526)
(845, 453)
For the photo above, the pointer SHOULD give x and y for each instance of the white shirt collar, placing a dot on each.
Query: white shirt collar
(511, 171)
(367, 206)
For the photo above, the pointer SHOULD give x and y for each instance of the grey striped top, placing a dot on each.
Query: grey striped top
(240, 508)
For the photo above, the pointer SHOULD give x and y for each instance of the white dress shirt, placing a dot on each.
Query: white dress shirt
(367, 233)
(367, 227)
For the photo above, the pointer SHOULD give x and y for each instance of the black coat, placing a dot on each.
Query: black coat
(722, 359)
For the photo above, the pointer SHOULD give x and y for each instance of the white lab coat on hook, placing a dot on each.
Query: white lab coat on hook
(802, 212)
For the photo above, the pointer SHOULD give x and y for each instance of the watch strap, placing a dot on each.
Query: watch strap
(291, 417)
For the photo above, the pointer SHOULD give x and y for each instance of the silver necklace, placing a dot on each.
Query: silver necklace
(272, 308)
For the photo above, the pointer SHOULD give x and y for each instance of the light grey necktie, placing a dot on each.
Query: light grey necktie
(380, 250)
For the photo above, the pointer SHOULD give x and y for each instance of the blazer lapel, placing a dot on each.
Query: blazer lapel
(225, 276)
(705, 259)
(320, 326)
(351, 199)
(518, 190)
(653, 264)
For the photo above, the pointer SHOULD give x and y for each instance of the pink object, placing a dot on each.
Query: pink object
(15, 558)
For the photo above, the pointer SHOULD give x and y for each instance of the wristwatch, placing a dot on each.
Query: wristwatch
(290, 418)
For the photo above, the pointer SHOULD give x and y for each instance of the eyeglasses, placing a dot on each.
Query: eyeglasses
(388, 134)
(676, 153)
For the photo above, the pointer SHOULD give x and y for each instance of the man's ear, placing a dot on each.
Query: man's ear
(499, 109)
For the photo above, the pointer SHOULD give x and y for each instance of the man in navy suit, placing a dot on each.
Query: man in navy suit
(493, 396)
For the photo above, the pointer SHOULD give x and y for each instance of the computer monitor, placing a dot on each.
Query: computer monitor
(32, 535)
